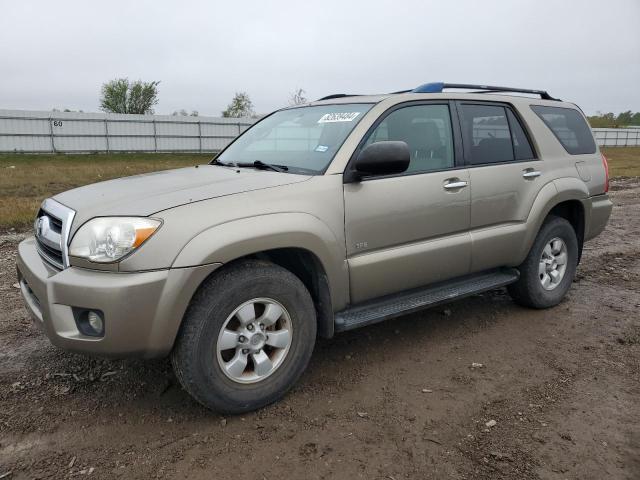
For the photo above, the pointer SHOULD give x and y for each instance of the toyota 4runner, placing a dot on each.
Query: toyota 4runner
(318, 219)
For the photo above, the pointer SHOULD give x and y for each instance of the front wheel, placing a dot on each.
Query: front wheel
(246, 337)
(549, 269)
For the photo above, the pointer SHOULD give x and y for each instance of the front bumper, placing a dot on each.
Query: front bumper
(142, 310)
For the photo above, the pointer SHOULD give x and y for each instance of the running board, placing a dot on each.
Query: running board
(409, 301)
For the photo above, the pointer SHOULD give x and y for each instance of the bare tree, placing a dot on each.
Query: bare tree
(122, 96)
(298, 97)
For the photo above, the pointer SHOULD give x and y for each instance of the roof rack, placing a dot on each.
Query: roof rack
(438, 87)
(337, 95)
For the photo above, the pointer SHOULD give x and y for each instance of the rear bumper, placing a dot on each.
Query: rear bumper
(597, 212)
(142, 311)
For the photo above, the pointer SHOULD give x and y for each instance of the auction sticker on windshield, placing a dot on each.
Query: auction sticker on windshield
(338, 117)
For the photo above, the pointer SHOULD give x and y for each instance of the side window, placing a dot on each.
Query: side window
(521, 146)
(427, 131)
(493, 134)
(569, 127)
(486, 134)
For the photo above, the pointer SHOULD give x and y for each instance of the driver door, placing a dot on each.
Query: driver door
(411, 229)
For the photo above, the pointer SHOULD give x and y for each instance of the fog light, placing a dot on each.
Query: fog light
(95, 322)
(89, 322)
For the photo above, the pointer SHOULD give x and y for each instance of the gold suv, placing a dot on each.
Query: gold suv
(318, 219)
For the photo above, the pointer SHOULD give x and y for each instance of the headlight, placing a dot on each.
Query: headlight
(107, 239)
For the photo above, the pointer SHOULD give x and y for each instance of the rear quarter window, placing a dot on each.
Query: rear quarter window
(569, 127)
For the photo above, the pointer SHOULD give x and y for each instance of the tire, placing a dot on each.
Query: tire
(202, 365)
(529, 290)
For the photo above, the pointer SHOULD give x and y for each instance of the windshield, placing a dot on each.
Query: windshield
(303, 139)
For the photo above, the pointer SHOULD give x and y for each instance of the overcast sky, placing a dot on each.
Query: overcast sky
(56, 54)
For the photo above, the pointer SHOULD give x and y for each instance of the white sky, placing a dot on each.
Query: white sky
(58, 53)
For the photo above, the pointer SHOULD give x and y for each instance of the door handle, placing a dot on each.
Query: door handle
(455, 184)
(530, 173)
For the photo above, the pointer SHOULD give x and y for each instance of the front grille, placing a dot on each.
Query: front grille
(52, 228)
(50, 254)
(56, 223)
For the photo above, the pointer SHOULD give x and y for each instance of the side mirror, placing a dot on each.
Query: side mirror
(382, 158)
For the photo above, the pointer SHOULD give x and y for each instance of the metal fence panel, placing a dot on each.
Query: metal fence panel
(24, 126)
(80, 144)
(177, 129)
(130, 128)
(69, 127)
(182, 144)
(130, 143)
(10, 143)
(220, 129)
(617, 137)
(26, 131)
(213, 144)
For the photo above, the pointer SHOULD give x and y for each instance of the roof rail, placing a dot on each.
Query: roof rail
(337, 95)
(438, 87)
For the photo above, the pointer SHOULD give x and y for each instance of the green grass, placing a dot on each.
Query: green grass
(25, 180)
(623, 161)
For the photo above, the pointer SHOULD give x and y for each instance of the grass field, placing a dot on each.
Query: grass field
(25, 180)
(623, 161)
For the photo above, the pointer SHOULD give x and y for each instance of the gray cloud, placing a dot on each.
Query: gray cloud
(57, 54)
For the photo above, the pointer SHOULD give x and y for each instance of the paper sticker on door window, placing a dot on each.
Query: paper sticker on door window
(322, 148)
(338, 117)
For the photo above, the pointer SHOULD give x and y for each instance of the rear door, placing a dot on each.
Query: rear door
(505, 175)
(411, 229)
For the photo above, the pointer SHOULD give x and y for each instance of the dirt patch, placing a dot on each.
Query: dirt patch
(555, 397)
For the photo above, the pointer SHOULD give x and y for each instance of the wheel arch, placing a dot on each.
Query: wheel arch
(298, 242)
(564, 198)
(305, 265)
(573, 212)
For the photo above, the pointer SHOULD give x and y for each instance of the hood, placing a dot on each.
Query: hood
(146, 194)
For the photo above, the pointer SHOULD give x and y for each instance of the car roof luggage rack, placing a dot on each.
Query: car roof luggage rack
(338, 95)
(438, 87)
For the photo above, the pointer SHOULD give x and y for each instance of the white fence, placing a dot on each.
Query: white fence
(617, 137)
(68, 132)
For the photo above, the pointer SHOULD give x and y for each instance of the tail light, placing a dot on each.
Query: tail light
(605, 164)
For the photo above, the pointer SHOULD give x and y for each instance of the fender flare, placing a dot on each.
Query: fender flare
(552, 194)
(229, 241)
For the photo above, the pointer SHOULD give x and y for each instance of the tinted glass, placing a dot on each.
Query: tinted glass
(521, 146)
(426, 129)
(486, 134)
(304, 139)
(569, 127)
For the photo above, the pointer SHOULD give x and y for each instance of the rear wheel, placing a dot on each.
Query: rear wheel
(246, 337)
(547, 272)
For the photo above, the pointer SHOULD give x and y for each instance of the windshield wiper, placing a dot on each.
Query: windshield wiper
(224, 164)
(256, 164)
(275, 168)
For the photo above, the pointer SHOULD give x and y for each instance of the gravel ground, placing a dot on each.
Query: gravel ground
(555, 397)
